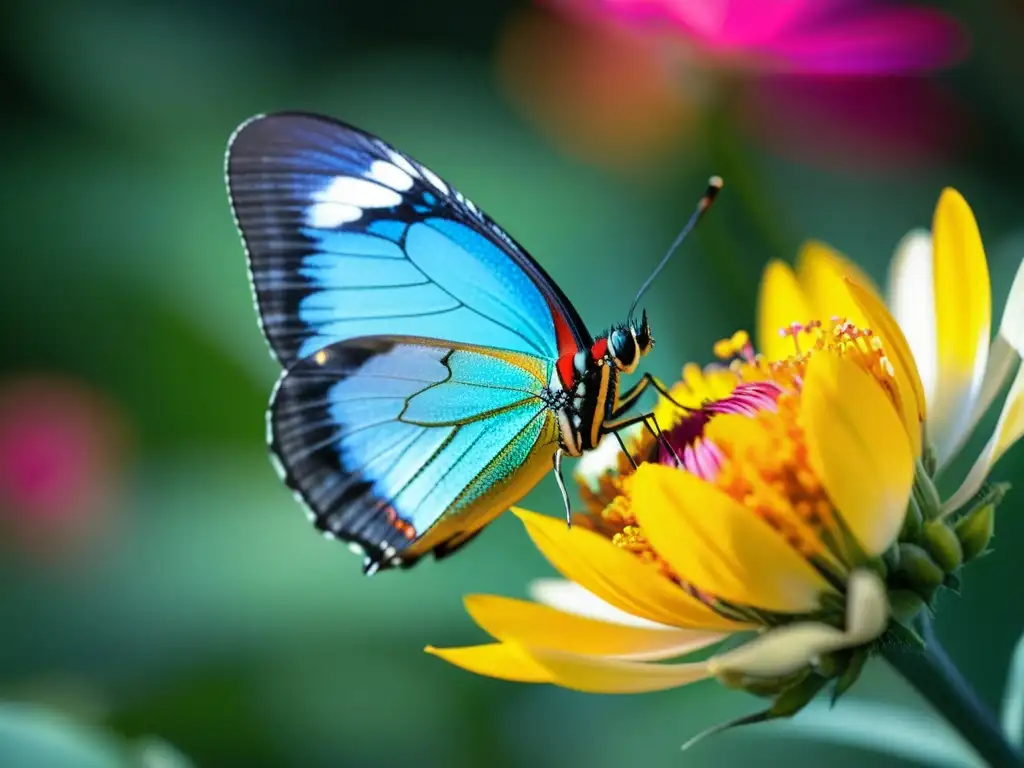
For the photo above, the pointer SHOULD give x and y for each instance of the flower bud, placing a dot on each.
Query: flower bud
(904, 604)
(923, 573)
(974, 530)
(943, 545)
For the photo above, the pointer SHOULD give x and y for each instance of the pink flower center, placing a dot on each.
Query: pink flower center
(698, 454)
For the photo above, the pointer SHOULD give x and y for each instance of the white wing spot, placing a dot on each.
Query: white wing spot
(430, 176)
(344, 199)
(390, 175)
(404, 164)
(332, 215)
(362, 193)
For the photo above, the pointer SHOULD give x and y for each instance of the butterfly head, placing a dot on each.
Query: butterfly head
(628, 343)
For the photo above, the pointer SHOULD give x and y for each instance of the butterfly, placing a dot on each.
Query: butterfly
(433, 371)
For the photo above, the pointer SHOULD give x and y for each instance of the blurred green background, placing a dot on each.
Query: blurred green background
(180, 598)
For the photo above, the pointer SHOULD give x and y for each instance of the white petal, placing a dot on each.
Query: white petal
(1009, 430)
(570, 597)
(1012, 326)
(596, 463)
(1001, 359)
(785, 650)
(912, 302)
(1006, 351)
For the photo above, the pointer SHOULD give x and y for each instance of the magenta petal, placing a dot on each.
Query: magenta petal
(736, 23)
(715, 24)
(894, 41)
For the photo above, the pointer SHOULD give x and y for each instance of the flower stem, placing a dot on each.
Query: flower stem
(934, 675)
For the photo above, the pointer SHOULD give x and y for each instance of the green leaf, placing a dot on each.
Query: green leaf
(1012, 714)
(153, 752)
(31, 736)
(882, 728)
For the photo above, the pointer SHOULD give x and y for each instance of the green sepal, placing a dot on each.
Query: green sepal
(788, 703)
(758, 717)
(830, 665)
(926, 493)
(929, 459)
(797, 696)
(912, 520)
(902, 635)
(761, 686)
(854, 666)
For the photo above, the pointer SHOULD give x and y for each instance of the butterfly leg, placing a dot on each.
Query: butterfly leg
(629, 398)
(646, 419)
(561, 486)
(622, 445)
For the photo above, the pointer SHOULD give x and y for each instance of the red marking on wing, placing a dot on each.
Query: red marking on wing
(600, 349)
(400, 525)
(567, 348)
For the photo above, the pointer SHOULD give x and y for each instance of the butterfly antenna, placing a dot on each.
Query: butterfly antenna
(715, 185)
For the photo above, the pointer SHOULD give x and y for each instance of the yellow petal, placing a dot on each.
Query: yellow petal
(822, 273)
(719, 545)
(912, 303)
(780, 303)
(505, 662)
(618, 577)
(857, 446)
(538, 626)
(594, 674)
(1009, 429)
(963, 309)
(787, 649)
(913, 404)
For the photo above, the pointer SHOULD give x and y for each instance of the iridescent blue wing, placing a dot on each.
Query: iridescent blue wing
(406, 446)
(348, 237)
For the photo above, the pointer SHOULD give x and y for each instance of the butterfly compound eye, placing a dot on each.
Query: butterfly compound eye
(622, 345)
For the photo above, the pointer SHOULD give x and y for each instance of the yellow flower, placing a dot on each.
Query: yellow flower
(940, 297)
(796, 480)
(788, 516)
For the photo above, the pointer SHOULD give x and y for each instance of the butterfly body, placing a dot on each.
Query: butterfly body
(433, 372)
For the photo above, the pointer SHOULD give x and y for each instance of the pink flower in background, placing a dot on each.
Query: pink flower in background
(60, 452)
(825, 37)
(838, 82)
